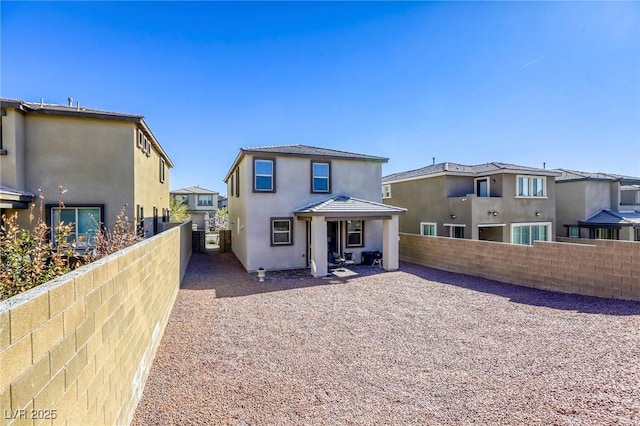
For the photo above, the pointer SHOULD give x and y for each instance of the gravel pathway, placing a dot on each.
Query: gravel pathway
(416, 346)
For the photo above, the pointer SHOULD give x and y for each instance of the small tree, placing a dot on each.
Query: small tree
(179, 211)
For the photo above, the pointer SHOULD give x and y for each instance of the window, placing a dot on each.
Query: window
(637, 234)
(604, 233)
(574, 232)
(238, 182)
(281, 231)
(386, 191)
(140, 140)
(355, 233)
(320, 176)
(456, 231)
(181, 199)
(162, 170)
(427, 228)
(482, 187)
(85, 220)
(264, 175)
(205, 200)
(527, 233)
(232, 186)
(531, 186)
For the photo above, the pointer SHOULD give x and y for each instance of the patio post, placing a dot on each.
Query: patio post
(318, 246)
(390, 245)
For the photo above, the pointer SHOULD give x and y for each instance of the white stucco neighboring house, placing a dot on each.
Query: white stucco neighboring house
(291, 205)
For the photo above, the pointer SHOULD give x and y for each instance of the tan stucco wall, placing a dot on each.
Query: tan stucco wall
(90, 158)
(436, 199)
(96, 161)
(579, 200)
(83, 345)
(12, 164)
(149, 192)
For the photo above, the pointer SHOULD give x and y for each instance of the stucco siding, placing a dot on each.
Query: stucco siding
(90, 158)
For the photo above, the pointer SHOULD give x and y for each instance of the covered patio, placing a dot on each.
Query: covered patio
(348, 216)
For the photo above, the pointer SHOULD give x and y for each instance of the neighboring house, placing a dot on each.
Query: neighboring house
(292, 205)
(597, 205)
(493, 201)
(102, 159)
(201, 203)
(222, 202)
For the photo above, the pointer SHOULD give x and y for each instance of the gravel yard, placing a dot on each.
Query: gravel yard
(416, 346)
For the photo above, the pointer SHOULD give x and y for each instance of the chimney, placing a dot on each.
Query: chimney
(70, 100)
(446, 166)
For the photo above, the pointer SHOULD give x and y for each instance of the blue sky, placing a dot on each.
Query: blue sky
(466, 82)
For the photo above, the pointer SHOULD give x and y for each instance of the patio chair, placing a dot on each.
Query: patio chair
(338, 260)
(348, 259)
(377, 259)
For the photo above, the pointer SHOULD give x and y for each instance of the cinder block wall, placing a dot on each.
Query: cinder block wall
(80, 348)
(608, 269)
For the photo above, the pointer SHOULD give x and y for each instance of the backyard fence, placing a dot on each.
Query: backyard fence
(78, 350)
(604, 268)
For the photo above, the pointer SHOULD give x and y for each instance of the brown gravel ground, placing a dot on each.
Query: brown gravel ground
(415, 346)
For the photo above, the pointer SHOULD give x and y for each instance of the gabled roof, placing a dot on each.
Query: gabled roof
(344, 206)
(192, 190)
(568, 175)
(612, 217)
(303, 151)
(478, 170)
(83, 112)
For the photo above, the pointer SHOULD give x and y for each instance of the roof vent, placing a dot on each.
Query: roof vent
(70, 100)
(446, 167)
(41, 102)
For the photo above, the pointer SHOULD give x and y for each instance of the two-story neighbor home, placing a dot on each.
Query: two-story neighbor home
(201, 203)
(597, 205)
(291, 205)
(103, 160)
(493, 201)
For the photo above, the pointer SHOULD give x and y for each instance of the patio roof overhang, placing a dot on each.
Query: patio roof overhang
(11, 198)
(345, 207)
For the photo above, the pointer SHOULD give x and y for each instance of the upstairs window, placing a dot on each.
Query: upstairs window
(482, 187)
(205, 200)
(531, 186)
(320, 176)
(181, 199)
(163, 167)
(264, 175)
(386, 191)
(238, 182)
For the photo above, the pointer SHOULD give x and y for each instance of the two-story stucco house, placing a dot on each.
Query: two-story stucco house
(201, 203)
(103, 160)
(493, 201)
(597, 205)
(291, 205)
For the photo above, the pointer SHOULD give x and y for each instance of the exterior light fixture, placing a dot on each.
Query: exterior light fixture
(537, 213)
(495, 213)
(453, 216)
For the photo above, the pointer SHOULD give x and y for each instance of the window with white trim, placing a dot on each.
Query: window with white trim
(386, 191)
(264, 175)
(85, 223)
(482, 187)
(282, 231)
(574, 232)
(320, 176)
(427, 228)
(527, 233)
(531, 186)
(456, 231)
(355, 233)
